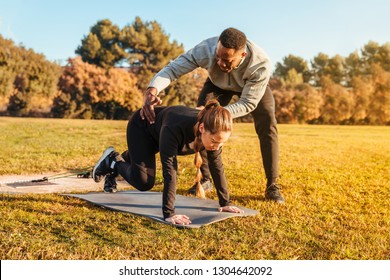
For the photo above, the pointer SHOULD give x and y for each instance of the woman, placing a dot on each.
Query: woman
(177, 130)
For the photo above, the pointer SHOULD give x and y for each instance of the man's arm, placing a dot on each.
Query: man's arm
(174, 70)
(252, 93)
(199, 56)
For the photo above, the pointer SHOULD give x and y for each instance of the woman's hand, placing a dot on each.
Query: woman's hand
(178, 220)
(231, 209)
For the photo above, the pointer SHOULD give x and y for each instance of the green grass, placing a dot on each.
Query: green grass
(335, 180)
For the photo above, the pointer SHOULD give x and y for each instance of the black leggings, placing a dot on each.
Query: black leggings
(139, 168)
(265, 126)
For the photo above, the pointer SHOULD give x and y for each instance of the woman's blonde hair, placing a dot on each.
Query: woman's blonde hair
(215, 118)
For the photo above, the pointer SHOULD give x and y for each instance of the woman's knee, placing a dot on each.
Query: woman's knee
(143, 185)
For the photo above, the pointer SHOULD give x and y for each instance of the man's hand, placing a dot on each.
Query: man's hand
(231, 209)
(178, 220)
(150, 100)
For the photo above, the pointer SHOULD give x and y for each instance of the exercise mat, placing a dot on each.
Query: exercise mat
(148, 204)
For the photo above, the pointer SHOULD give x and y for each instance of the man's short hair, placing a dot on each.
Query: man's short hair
(232, 38)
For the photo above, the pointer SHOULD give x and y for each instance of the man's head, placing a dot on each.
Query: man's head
(231, 49)
(232, 38)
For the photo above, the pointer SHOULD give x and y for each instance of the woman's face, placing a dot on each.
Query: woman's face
(213, 142)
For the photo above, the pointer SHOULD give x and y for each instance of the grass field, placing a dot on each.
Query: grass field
(336, 181)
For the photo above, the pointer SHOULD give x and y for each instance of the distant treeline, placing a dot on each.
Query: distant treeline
(113, 67)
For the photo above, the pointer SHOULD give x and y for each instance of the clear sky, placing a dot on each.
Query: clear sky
(301, 27)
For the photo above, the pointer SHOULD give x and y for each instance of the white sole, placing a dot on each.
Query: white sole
(106, 152)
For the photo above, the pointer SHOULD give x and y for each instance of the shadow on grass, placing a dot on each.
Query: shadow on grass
(45, 198)
(246, 198)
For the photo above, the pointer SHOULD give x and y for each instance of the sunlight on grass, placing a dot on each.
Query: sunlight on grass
(335, 180)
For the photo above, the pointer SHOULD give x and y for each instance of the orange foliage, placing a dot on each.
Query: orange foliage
(96, 84)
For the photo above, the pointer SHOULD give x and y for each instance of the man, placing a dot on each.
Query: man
(236, 66)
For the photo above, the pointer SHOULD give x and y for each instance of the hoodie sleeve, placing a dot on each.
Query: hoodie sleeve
(168, 155)
(218, 174)
(199, 56)
(257, 77)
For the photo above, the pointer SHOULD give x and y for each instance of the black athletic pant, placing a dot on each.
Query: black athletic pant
(139, 168)
(265, 125)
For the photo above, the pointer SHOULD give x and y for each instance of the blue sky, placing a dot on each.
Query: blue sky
(302, 28)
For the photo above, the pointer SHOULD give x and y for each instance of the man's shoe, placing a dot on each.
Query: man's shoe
(103, 166)
(110, 183)
(273, 193)
(206, 185)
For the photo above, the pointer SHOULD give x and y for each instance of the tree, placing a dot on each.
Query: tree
(379, 107)
(89, 91)
(293, 78)
(362, 89)
(28, 81)
(185, 91)
(318, 65)
(284, 101)
(337, 102)
(333, 67)
(143, 45)
(291, 62)
(7, 72)
(373, 53)
(102, 46)
(308, 103)
(384, 56)
(336, 69)
(299, 104)
(353, 68)
(148, 48)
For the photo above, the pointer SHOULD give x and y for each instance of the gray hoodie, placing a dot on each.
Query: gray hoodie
(250, 78)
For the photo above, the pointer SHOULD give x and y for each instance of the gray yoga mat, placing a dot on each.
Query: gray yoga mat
(148, 204)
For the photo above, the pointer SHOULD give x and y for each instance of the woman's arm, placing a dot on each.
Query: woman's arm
(220, 182)
(218, 174)
(168, 154)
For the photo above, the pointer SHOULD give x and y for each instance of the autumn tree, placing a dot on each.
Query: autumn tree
(284, 101)
(308, 104)
(337, 102)
(89, 91)
(28, 81)
(379, 106)
(7, 72)
(301, 103)
(185, 91)
(353, 68)
(362, 89)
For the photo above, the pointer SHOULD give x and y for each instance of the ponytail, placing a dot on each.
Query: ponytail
(215, 118)
(198, 163)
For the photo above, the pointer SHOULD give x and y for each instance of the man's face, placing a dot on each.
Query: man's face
(228, 59)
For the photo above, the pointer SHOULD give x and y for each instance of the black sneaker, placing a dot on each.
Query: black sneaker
(110, 183)
(206, 185)
(273, 193)
(103, 166)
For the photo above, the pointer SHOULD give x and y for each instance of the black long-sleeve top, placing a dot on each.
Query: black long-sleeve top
(174, 131)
